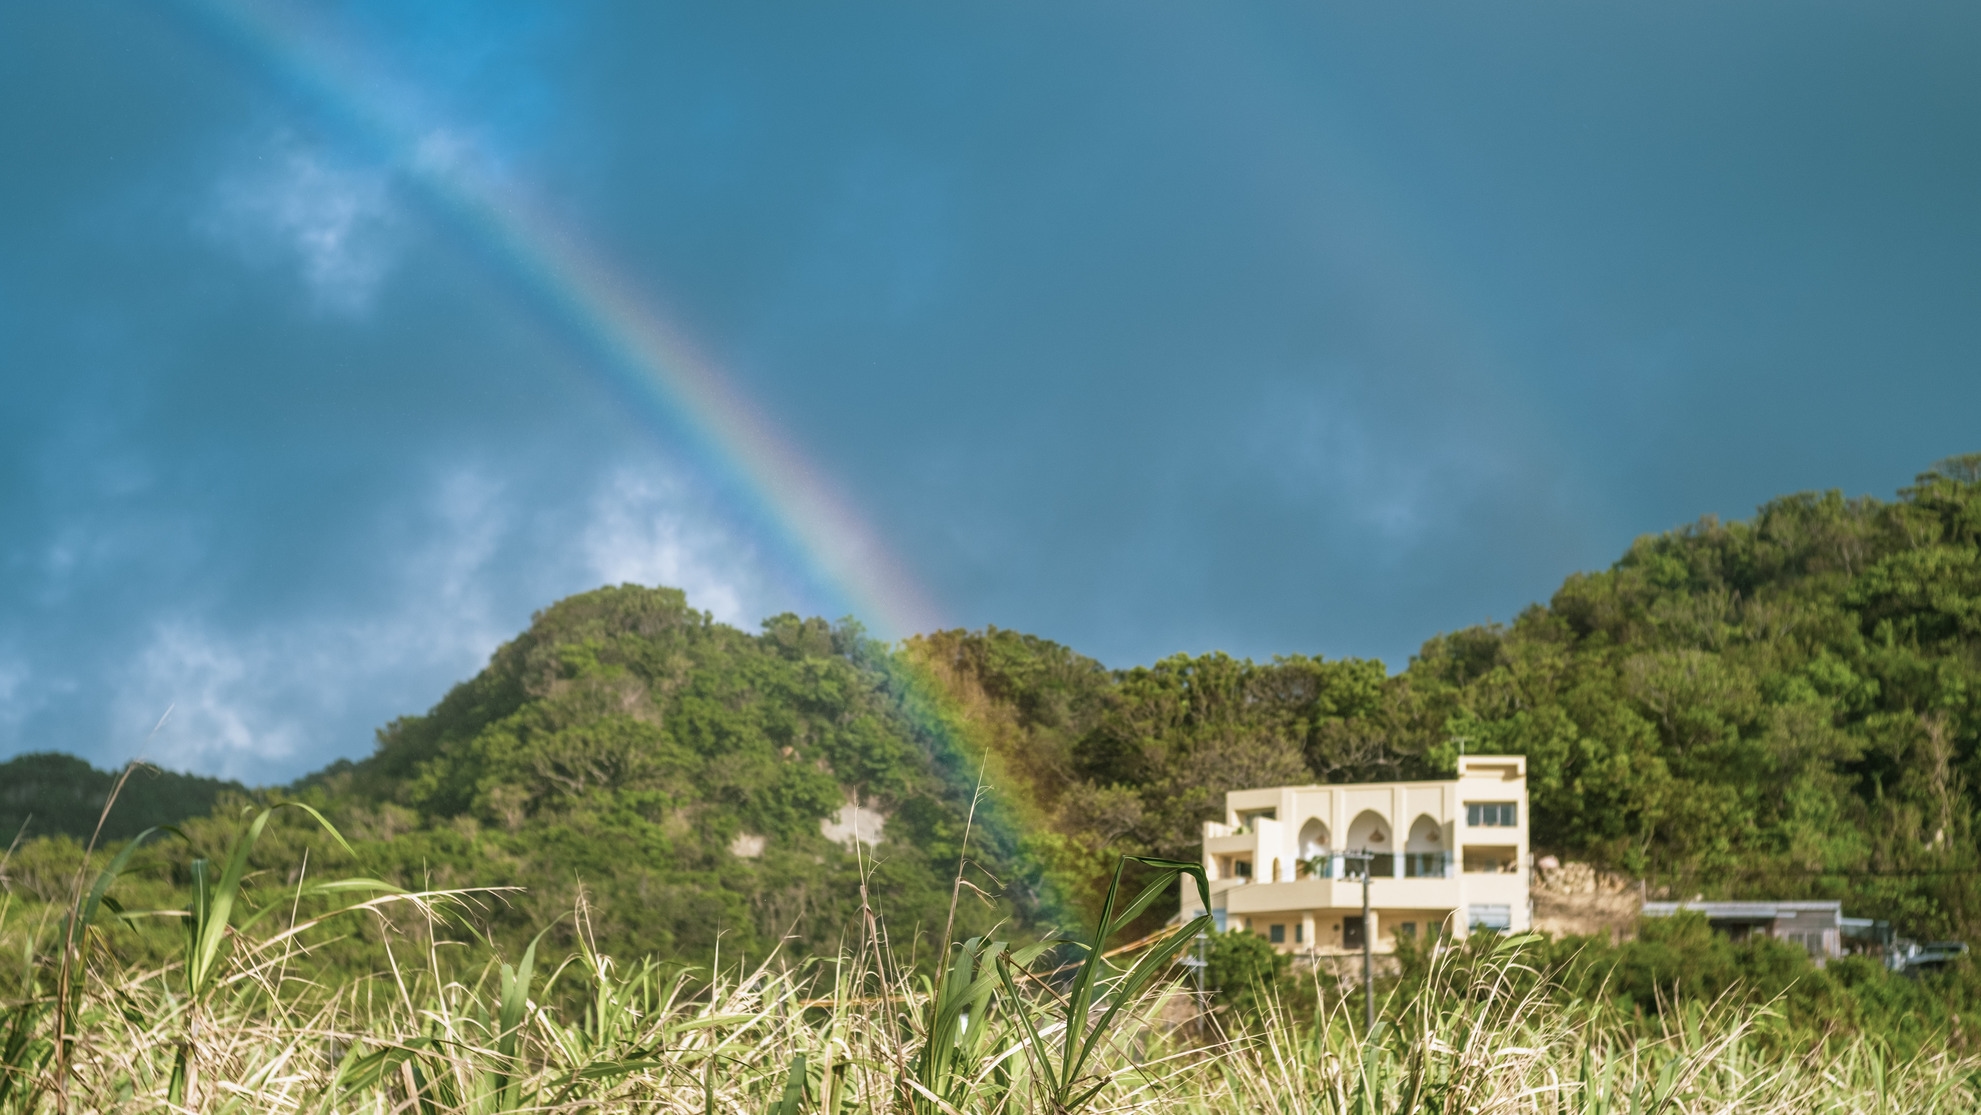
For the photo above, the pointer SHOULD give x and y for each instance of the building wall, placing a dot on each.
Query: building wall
(1814, 924)
(1421, 830)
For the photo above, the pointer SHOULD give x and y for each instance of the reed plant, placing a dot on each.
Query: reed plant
(237, 1024)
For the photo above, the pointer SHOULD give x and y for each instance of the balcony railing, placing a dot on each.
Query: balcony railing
(1381, 865)
(1424, 865)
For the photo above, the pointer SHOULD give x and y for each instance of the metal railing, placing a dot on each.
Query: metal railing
(1349, 864)
(1424, 865)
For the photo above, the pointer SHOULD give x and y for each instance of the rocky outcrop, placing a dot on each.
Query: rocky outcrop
(1575, 898)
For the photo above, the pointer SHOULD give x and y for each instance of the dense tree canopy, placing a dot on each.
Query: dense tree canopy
(1785, 707)
(687, 776)
(46, 793)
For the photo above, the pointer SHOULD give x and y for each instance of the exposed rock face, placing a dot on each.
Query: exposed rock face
(1576, 898)
(855, 824)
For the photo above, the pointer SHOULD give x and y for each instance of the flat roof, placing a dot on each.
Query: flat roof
(1488, 767)
(1735, 910)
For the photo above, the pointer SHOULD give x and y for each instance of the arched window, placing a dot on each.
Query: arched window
(1372, 832)
(1425, 835)
(1314, 847)
(1424, 852)
(1313, 839)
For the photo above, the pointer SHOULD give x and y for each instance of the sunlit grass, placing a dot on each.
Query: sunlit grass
(236, 1024)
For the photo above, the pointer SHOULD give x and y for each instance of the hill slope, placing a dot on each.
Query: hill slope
(1787, 706)
(46, 793)
(692, 780)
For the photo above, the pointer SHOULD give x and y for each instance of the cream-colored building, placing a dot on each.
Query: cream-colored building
(1448, 857)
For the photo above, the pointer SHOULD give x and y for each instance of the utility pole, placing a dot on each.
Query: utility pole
(1368, 962)
(1364, 858)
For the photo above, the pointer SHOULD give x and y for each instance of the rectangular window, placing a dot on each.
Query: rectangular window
(1351, 933)
(1407, 929)
(1299, 932)
(1491, 860)
(1278, 934)
(1490, 917)
(1492, 814)
(1242, 868)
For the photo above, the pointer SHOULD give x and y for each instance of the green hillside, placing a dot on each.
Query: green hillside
(46, 793)
(1787, 706)
(1782, 707)
(689, 779)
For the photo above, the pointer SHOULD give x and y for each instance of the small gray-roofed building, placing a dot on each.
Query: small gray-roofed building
(1815, 925)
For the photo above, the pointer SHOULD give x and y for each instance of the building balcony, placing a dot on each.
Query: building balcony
(1384, 865)
(1323, 894)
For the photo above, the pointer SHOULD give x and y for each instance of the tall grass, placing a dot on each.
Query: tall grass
(237, 1024)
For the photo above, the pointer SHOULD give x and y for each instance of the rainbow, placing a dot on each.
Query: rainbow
(642, 358)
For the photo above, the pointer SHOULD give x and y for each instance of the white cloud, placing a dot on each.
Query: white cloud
(14, 706)
(449, 574)
(268, 702)
(451, 155)
(645, 529)
(332, 222)
(273, 701)
(218, 695)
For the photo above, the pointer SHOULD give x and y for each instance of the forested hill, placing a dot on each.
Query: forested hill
(47, 793)
(696, 783)
(1786, 706)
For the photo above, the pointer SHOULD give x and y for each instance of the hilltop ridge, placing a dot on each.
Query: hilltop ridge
(1786, 705)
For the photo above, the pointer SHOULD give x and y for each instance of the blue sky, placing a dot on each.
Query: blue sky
(1148, 328)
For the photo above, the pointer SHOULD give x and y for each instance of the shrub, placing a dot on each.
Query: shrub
(1242, 970)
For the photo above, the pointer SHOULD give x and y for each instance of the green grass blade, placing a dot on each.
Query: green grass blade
(1152, 964)
(86, 914)
(794, 1088)
(1156, 888)
(1035, 1046)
